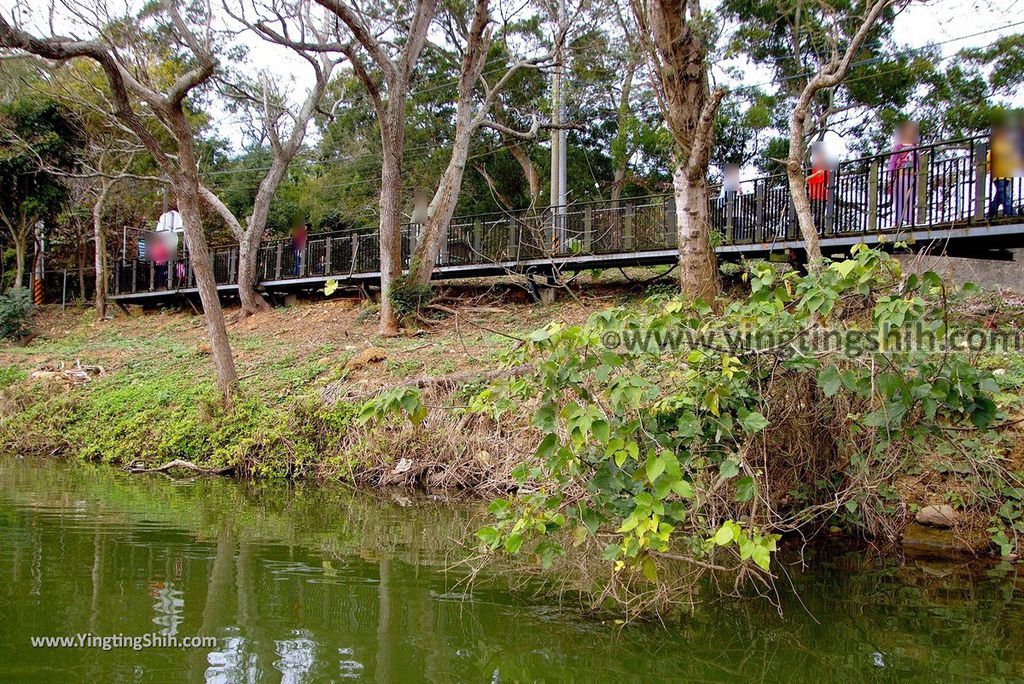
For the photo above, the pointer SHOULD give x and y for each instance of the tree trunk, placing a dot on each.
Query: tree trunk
(390, 225)
(804, 215)
(617, 182)
(251, 300)
(216, 330)
(522, 157)
(828, 76)
(81, 270)
(698, 266)
(616, 227)
(620, 151)
(389, 102)
(680, 55)
(100, 295)
(20, 251)
(248, 254)
(249, 237)
(181, 167)
(798, 182)
(188, 191)
(442, 207)
(252, 236)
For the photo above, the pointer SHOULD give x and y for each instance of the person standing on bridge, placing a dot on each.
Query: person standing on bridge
(903, 167)
(298, 245)
(731, 191)
(819, 183)
(1003, 164)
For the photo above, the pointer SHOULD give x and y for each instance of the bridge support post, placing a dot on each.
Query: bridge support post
(872, 204)
(478, 237)
(730, 215)
(980, 180)
(327, 255)
(152, 276)
(830, 203)
(513, 254)
(232, 266)
(758, 232)
(924, 170)
(627, 228)
(792, 227)
(355, 254)
(135, 278)
(588, 227)
(277, 261)
(671, 221)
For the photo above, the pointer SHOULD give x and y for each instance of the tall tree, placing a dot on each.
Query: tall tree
(283, 126)
(829, 74)
(32, 130)
(964, 93)
(133, 87)
(389, 47)
(105, 158)
(470, 116)
(678, 38)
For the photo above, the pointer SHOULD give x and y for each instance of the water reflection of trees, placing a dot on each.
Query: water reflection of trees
(324, 583)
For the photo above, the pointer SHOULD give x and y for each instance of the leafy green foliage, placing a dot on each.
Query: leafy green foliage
(34, 129)
(658, 442)
(10, 375)
(408, 297)
(15, 313)
(36, 135)
(396, 400)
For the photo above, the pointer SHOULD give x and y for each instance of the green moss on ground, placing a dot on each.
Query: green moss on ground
(156, 400)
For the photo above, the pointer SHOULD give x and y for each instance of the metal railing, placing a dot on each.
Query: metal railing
(949, 187)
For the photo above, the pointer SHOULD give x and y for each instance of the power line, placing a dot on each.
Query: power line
(735, 91)
(315, 160)
(738, 91)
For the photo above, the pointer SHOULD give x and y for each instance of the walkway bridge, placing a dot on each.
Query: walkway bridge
(948, 207)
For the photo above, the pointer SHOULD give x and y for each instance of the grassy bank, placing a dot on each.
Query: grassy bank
(150, 396)
(669, 462)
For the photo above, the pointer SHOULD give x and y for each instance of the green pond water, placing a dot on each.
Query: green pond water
(307, 584)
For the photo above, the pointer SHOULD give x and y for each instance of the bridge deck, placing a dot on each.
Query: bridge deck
(944, 207)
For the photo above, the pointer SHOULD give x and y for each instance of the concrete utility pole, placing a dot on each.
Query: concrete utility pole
(38, 294)
(558, 142)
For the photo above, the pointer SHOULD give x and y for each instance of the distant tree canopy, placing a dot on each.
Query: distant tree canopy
(37, 138)
(618, 145)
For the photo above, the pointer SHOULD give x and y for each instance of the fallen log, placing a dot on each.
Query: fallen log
(134, 467)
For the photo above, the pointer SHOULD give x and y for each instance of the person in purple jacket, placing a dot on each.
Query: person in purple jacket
(903, 167)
